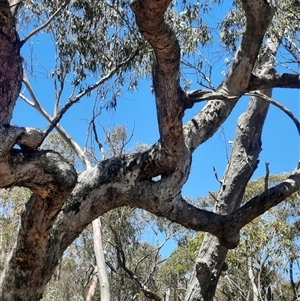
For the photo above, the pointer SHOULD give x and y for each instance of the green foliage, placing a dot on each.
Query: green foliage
(285, 27)
(271, 242)
(195, 243)
(12, 202)
(116, 140)
(57, 144)
(91, 39)
(231, 28)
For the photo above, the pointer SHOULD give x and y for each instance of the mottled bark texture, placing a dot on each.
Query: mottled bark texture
(64, 203)
(242, 164)
(10, 63)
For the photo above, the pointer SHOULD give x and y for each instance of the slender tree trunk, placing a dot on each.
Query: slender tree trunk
(99, 253)
(93, 285)
(252, 280)
(167, 295)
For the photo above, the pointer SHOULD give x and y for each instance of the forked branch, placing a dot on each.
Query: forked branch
(46, 24)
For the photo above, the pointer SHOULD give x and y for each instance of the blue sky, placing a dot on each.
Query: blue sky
(136, 111)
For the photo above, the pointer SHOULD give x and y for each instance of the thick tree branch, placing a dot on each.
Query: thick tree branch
(104, 198)
(150, 20)
(37, 170)
(242, 163)
(259, 14)
(61, 207)
(116, 182)
(263, 202)
(284, 80)
(9, 136)
(51, 179)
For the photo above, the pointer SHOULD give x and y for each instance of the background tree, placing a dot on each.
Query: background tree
(133, 40)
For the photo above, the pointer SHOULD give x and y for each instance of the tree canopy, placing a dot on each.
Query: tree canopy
(102, 49)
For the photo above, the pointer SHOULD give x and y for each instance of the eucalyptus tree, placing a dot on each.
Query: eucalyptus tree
(111, 42)
(264, 265)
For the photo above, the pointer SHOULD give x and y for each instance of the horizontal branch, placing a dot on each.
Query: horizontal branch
(227, 227)
(118, 182)
(201, 95)
(266, 200)
(284, 80)
(41, 171)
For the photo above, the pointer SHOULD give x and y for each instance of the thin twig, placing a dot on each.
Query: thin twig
(122, 262)
(278, 105)
(267, 179)
(129, 139)
(37, 30)
(86, 91)
(100, 145)
(213, 197)
(36, 104)
(216, 175)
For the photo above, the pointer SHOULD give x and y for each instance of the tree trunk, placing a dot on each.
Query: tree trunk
(99, 253)
(93, 286)
(63, 202)
(242, 164)
(10, 63)
(252, 280)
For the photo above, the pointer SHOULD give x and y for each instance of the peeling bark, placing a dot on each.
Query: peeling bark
(27, 266)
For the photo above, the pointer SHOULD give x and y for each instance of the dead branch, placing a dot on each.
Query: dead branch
(267, 179)
(278, 105)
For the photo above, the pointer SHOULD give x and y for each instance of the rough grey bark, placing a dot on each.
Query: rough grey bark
(10, 63)
(242, 164)
(63, 202)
